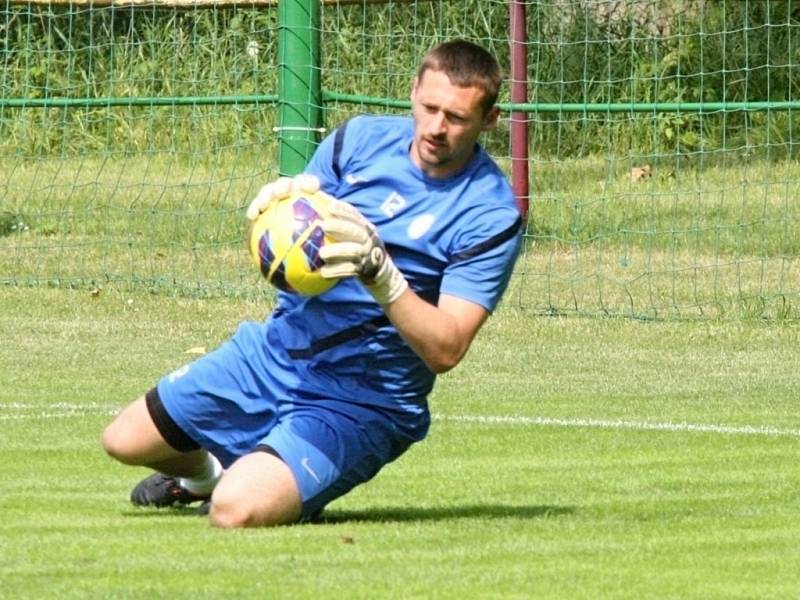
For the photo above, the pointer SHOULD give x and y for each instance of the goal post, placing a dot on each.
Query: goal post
(300, 104)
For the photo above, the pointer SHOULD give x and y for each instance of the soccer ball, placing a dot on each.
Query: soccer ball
(285, 241)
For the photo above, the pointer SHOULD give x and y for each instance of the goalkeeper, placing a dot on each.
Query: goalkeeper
(293, 412)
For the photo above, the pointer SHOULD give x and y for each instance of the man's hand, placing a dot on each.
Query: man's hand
(359, 252)
(282, 187)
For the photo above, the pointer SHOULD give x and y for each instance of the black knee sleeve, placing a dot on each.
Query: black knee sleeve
(169, 429)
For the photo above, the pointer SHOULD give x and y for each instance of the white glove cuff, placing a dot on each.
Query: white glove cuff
(389, 283)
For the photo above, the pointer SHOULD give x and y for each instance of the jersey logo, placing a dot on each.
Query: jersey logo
(393, 204)
(178, 373)
(420, 226)
(307, 466)
(354, 179)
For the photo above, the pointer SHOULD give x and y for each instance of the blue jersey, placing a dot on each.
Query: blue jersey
(327, 383)
(457, 236)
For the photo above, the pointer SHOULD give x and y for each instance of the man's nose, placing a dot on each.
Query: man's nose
(437, 124)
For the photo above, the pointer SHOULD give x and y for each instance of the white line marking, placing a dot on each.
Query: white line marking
(58, 410)
(55, 410)
(59, 405)
(623, 424)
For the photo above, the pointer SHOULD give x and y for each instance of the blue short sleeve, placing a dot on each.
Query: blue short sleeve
(480, 272)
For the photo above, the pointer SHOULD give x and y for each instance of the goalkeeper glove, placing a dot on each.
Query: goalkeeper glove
(282, 187)
(359, 252)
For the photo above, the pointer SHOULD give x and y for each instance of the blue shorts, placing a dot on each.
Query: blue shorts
(231, 401)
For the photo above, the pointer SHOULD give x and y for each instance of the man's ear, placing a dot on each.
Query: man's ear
(490, 120)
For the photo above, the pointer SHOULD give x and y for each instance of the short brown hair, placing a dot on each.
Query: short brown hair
(466, 65)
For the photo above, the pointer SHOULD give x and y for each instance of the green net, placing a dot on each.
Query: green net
(661, 146)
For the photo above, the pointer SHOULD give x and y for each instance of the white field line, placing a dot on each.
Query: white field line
(625, 424)
(56, 410)
(59, 410)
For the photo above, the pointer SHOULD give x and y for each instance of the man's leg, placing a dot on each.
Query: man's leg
(259, 489)
(308, 459)
(132, 438)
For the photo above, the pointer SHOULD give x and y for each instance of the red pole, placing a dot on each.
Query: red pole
(519, 94)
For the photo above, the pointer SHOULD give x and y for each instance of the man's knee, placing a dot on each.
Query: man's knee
(230, 510)
(258, 491)
(117, 443)
(229, 513)
(132, 438)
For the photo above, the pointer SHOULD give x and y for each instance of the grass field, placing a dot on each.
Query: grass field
(568, 458)
(626, 426)
(717, 240)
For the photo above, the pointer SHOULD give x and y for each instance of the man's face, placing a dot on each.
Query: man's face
(447, 122)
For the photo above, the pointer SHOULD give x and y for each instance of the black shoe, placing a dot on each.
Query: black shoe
(204, 508)
(162, 490)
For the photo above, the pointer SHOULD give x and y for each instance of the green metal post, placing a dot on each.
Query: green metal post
(300, 96)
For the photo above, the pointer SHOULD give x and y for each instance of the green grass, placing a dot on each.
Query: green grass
(577, 494)
(719, 241)
(569, 457)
